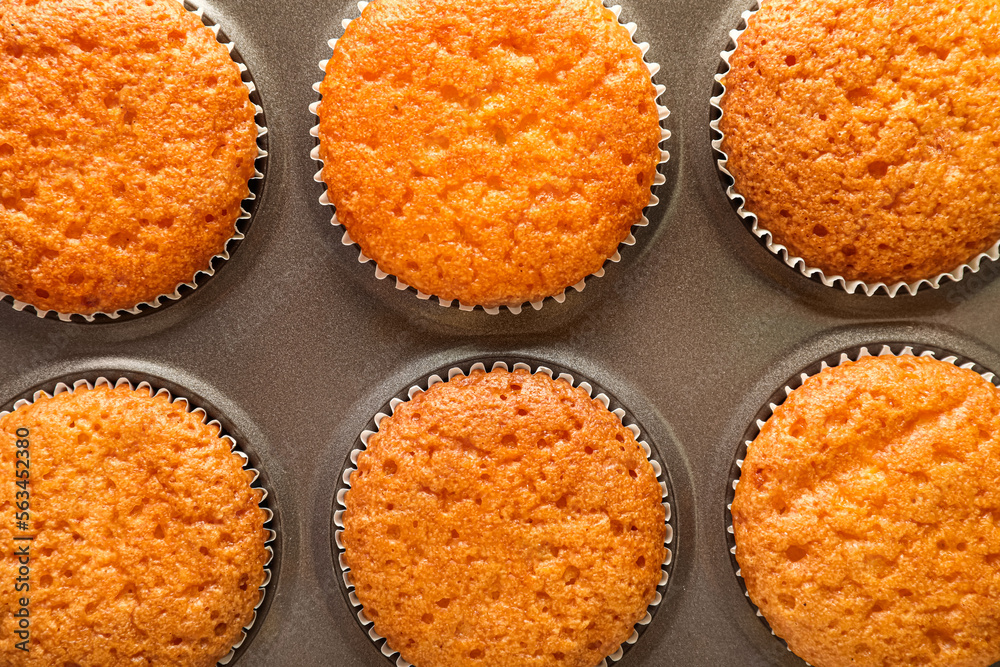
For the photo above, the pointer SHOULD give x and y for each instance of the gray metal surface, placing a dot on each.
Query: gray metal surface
(296, 345)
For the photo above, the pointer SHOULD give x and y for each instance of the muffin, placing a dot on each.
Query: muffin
(490, 152)
(867, 516)
(148, 538)
(503, 518)
(861, 134)
(126, 147)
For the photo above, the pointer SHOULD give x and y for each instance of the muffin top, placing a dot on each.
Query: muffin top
(493, 152)
(504, 519)
(867, 516)
(863, 134)
(126, 142)
(148, 539)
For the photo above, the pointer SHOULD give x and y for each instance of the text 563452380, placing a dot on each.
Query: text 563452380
(22, 537)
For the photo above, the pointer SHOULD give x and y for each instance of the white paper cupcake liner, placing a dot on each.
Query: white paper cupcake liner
(362, 443)
(629, 240)
(779, 397)
(216, 260)
(270, 535)
(798, 263)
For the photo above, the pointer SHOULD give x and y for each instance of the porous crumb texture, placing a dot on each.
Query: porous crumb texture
(504, 519)
(862, 132)
(149, 541)
(126, 142)
(867, 516)
(491, 152)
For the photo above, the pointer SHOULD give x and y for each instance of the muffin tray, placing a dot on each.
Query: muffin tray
(294, 346)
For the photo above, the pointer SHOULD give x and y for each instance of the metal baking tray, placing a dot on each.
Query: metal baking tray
(294, 345)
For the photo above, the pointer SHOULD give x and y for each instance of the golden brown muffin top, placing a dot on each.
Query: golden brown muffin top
(149, 540)
(491, 152)
(504, 519)
(867, 516)
(126, 142)
(864, 134)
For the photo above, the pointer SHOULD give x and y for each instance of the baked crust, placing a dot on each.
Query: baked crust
(127, 139)
(149, 540)
(863, 134)
(504, 519)
(491, 152)
(867, 516)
